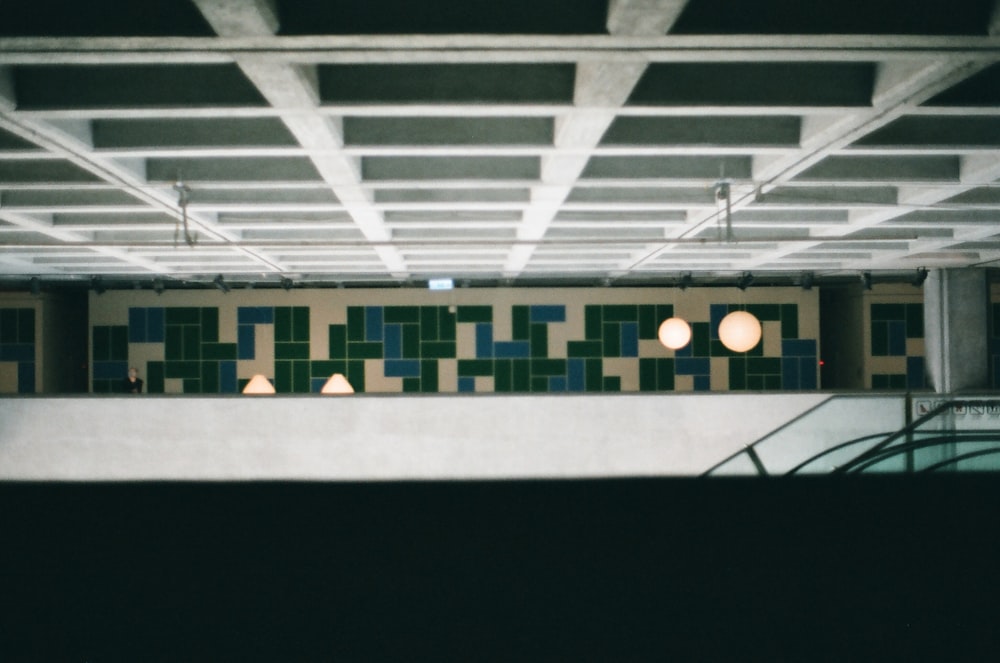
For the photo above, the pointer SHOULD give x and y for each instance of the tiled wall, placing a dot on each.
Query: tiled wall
(895, 339)
(17, 350)
(995, 334)
(463, 341)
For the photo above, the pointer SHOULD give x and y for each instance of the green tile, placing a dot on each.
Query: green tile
(475, 314)
(520, 323)
(548, 367)
(356, 375)
(594, 374)
(647, 374)
(218, 351)
(364, 350)
(210, 377)
(338, 341)
(437, 350)
(648, 324)
(324, 368)
(182, 315)
(8, 326)
(621, 313)
(755, 381)
(301, 378)
(593, 324)
(355, 323)
(398, 314)
(26, 325)
(119, 343)
(880, 339)
(300, 324)
(584, 348)
(283, 324)
(755, 351)
(665, 374)
(429, 376)
(539, 385)
(663, 312)
(291, 351)
(102, 386)
(209, 327)
(446, 324)
(411, 385)
(612, 383)
(763, 365)
(283, 377)
(182, 369)
(897, 381)
(539, 340)
(914, 321)
(192, 342)
(720, 350)
(474, 367)
(701, 343)
(503, 381)
(241, 384)
(411, 341)
(192, 386)
(428, 323)
(101, 349)
(773, 382)
(880, 381)
(520, 370)
(888, 311)
(173, 349)
(789, 321)
(154, 377)
(737, 373)
(765, 312)
(612, 339)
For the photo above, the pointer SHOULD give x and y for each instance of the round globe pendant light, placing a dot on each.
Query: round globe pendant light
(674, 333)
(739, 331)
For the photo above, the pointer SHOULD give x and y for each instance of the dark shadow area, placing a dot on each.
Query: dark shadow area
(870, 568)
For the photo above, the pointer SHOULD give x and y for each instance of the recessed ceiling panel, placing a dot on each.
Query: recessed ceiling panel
(448, 130)
(101, 18)
(450, 168)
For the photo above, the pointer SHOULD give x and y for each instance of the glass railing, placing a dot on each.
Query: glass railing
(814, 442)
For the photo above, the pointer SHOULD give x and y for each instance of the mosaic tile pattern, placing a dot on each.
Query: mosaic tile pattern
(17, 345)
(536, 348)
(894, 330)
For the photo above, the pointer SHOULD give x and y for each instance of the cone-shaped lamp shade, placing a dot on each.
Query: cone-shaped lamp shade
(258, 385)
(337, 384)
(739, 331)
(675, 333)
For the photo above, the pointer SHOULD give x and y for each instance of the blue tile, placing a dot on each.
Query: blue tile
(227, 377)
(686, 351)
(316, 385)
(245, 341)
(17, 352)
(996, 372)
(255, 315)
(557, 383)
(26, 377)
(512, 349)
(798, 347)
(547, 313)
(402, 368)
(373, 323)
(897, 338)
(702, 383)
(716, 313)
(692, 366)
(807, 373)
(154, 325)
(630, 339)
(484, 340)
(790, 372)
(110, 370)
(995, 346)
(466, 384)
(914, 372)
(575, 374)
(136, 325)
(393, 342)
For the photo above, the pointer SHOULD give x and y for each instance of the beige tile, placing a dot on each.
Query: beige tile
(888, 364)
(377, 382)
(627, 368)
(653, 348)
(485, 384)
(771, 338)
(915, 347)
(502, 322)
(465, 340)
(8, 377)
(684, 383)
(263, 363)
(559, 337)
(173, 386)
(720, 374)
(228, 324)
(140, 354)
(447, 375)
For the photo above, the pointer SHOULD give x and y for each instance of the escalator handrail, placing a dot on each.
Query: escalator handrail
(833, 449)
(945, 437)
(949, 461)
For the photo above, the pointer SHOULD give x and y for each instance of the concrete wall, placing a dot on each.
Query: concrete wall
(381, 437)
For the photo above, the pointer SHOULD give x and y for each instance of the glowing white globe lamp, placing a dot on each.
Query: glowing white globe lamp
(739, 331)
(258, 385)
(674, 333)
(337, 384)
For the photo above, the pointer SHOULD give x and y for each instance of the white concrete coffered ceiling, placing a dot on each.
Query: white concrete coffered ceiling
(387, 141)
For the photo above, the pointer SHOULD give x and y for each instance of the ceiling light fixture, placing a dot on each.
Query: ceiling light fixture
(259, 385)
(287, 283)
(866, 280)
(674, 333)
(686, 280)
(35, 286)
(740, 331)
(158, 286)
(220, 283)
(744, 281)
(97, 285)
(921, 276)
(807, 280)
(337, 384)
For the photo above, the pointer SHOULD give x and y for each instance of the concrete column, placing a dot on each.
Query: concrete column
(956, 329)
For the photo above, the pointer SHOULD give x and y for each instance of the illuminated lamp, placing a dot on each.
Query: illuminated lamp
(258, 385)
(739, 331)
(674, 333)
(337, 384)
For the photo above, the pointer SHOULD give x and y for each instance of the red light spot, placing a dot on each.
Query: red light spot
(821, 362)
